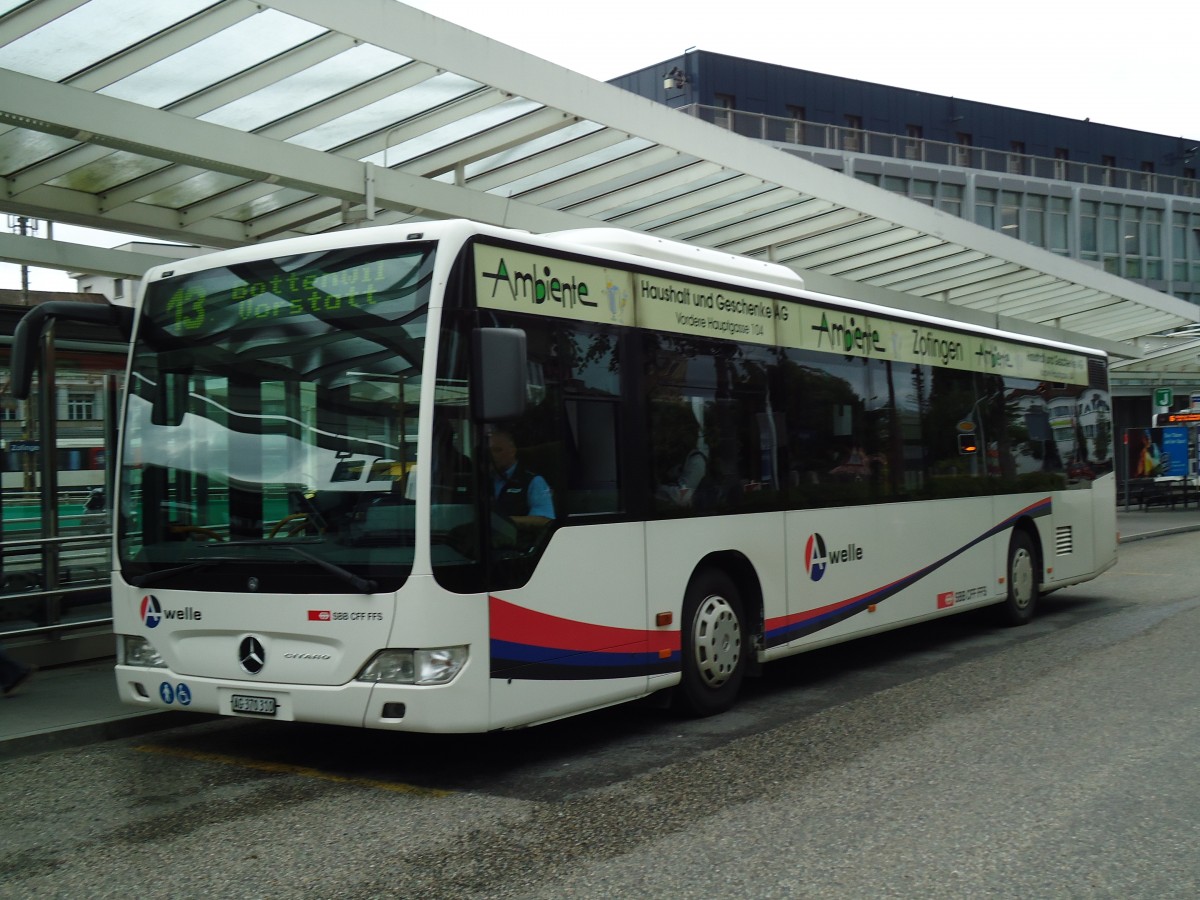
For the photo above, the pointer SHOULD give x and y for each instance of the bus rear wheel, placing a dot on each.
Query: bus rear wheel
(1021, 603)
(714, 644)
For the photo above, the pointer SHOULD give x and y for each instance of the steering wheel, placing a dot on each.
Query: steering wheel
(295, 522)
(199, 531)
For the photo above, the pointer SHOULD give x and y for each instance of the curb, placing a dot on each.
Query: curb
(94, 732)
(1182, 529)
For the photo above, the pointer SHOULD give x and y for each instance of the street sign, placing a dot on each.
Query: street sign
(1163, 397)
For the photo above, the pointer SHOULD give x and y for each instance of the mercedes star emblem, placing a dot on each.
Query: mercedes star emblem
(252, 655)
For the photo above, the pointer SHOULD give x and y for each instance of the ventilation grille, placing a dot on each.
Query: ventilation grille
(1064, 540)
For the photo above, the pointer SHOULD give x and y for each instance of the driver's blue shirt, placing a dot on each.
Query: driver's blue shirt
(538, 494)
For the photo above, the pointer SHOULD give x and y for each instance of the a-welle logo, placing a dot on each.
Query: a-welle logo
(817, 559)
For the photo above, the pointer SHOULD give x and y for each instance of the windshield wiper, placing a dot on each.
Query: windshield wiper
(360, 584)
(153, 577)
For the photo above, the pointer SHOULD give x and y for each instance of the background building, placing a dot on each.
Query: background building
(1122, 200)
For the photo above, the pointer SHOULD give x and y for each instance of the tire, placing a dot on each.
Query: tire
(1020, 605)
(714, 644)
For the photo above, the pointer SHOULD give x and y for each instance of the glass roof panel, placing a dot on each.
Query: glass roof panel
(193, 190)
(20, 148)
(455, 131)
(378, 116)
(108, 172)
(267, 204)
(572, 167)
(708, 205)
(304, 89)
(532, 148)
(214, 59)
(92, 32)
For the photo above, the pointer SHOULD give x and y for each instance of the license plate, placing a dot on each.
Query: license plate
(262, 706)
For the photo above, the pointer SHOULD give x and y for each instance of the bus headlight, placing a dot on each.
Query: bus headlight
(137, 651)
(439, 665)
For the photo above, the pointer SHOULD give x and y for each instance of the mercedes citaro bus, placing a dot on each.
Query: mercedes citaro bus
(450, 477)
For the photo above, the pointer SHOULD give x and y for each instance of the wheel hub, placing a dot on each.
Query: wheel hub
(716, 640)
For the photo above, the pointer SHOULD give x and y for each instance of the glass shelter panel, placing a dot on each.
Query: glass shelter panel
(55, 456)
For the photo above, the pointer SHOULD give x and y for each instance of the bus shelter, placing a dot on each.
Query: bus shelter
(1161, 465)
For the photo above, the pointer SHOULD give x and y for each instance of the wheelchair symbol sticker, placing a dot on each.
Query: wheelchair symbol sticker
(170, 693)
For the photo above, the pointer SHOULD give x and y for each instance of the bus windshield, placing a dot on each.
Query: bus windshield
(271, 424)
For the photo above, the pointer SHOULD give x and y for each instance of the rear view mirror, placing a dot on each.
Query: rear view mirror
(501, 374)
(28, 334)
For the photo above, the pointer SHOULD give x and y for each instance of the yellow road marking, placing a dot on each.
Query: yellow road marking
(286, 769)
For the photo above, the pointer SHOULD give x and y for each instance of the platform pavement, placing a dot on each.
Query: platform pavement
(76, 705)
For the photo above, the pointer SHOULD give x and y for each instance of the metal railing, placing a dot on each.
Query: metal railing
(55, 583)
(844, 139)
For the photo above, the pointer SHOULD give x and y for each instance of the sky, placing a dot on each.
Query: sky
(1117, 63)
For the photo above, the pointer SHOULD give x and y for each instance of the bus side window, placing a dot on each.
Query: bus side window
(593, 485)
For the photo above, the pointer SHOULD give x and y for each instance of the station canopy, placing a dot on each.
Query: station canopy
(227, 123)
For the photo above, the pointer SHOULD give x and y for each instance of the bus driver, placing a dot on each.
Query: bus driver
(520, 495)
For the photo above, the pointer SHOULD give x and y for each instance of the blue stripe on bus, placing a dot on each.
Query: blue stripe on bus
(527, 661)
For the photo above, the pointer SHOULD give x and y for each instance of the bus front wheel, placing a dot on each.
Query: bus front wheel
(1021, 603)
(713, 644)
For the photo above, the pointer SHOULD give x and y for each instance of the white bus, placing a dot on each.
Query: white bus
(705, 467)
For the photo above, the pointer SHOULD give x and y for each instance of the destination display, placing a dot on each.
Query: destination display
(329, 286)
(519, 281)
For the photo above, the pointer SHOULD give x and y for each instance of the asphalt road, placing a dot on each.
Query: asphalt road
(947, 760)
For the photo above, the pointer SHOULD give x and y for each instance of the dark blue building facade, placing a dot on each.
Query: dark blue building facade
(716, 80)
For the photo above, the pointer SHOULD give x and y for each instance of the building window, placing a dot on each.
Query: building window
(962, 156)
(985, 208)
(1194, 263)
(1152, 244)
(118, 288)
(81, 406)
(951, 199)
(895, 184)
(1179, 246)
(1110, 170)
(1110, 237)
(723, 118)
(1010, 213)
(914, 147)
(796, 126)
(1089, 215)
(1016, 158)
(1035, 220)
(852, 140)
(1060, 211)
(1147, 176)
(924, 191)
(1131, 228)
(1060, 163)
